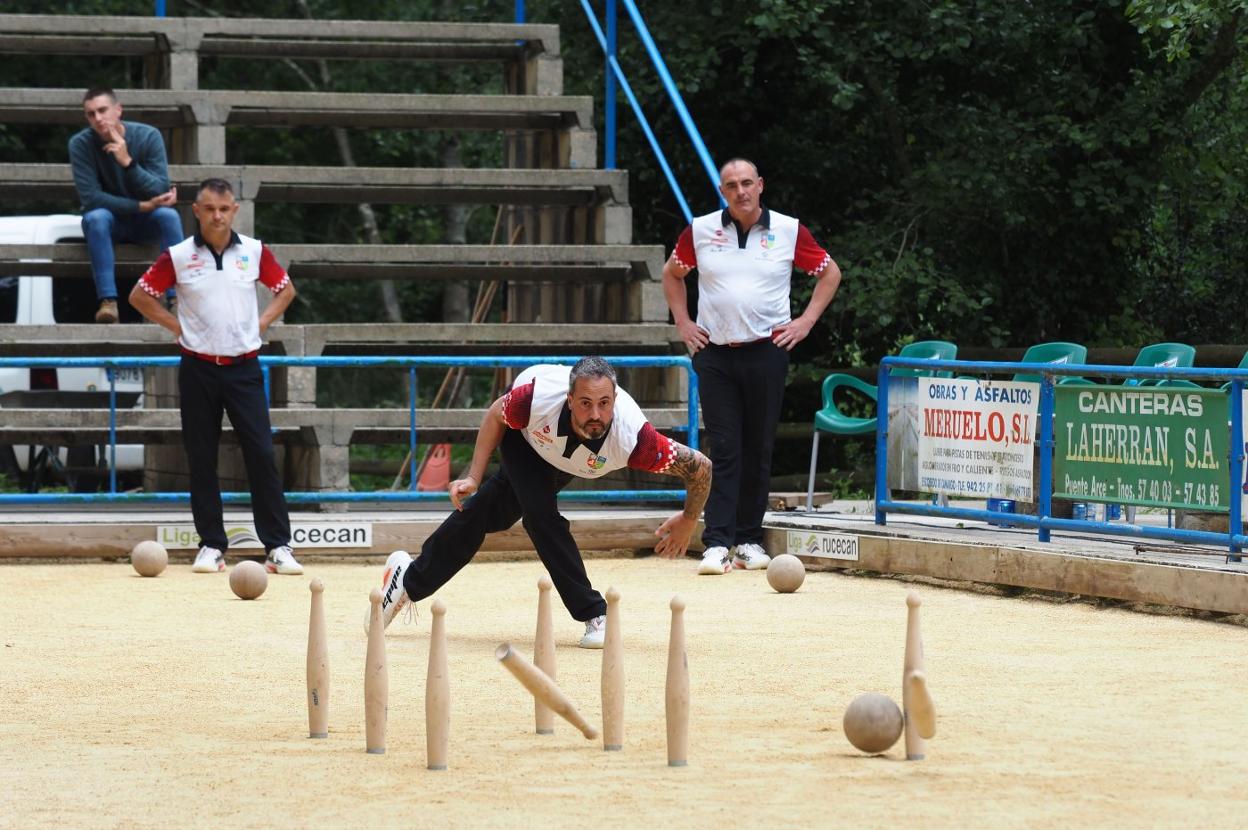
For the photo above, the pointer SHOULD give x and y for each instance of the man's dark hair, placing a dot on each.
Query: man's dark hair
(218, 186)
(590, 366)
(736, 159)
(97, 91)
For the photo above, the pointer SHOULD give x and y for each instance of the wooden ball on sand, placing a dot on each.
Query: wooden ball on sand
(786, 573)
(149, 558)
(248, 579)
(873, 722)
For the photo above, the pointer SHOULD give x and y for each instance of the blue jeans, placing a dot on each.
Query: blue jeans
(102, 228)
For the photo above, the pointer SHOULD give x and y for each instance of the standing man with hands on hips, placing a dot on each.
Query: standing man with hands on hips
(740, 344)
(122, 179)
(219, 330)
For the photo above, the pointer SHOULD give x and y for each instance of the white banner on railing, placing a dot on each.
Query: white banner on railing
(976, 437)
(303, 535)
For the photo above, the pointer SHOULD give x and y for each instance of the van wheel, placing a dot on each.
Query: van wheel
(82, 470)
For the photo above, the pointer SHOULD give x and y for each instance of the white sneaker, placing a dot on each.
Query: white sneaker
(208, 561)
(595, 633)
(393, 595)
(715, 561)
(750, 557)
(281, 560)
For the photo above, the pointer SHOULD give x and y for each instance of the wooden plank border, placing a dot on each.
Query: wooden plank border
(1203, 589)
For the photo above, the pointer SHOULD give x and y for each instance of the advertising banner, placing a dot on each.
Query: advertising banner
(904, 419)
(1157, 446)
(303, 535)
(976, 437)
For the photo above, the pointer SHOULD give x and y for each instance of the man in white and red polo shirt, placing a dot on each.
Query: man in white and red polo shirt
(554, 424)
(740, 344)
(219, 327)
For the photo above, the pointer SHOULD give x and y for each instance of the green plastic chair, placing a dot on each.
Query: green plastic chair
(1158, 354)
(1243, 364)
(832, 420)
(1164, 354)
(1056, 352)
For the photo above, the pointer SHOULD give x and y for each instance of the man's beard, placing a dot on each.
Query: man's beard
(593, 429)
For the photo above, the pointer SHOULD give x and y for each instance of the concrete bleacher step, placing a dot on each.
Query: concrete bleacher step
(337, 427)
(276, 38)
(567, 121)
(344, 185)
(251, 108)
(181, 40)
(243, 36)
(545, 263)
(89, 339)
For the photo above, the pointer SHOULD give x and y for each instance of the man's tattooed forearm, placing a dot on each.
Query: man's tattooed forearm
(694, 469)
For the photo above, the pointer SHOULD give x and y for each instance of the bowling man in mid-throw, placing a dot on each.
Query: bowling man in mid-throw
(554, 423)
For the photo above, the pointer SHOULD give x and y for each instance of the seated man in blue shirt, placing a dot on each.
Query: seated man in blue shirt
(122, 179)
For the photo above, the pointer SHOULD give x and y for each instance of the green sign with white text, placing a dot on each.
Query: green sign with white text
(1158, 446)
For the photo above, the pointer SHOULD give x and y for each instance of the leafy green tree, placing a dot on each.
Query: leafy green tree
(993, 173)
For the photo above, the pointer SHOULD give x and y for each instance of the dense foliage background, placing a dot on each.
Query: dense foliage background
(994, 173)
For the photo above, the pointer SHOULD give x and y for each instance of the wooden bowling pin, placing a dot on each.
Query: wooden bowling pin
(318, 665)
(437, 692)
(544, 654)
(677, 694)
(543, 688)
(922, 710)
(613, 677)
(916, 747)
(376, 680)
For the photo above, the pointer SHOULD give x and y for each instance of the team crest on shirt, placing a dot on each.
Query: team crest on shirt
(596, 462)
(542, 435)
(767, 241)
(242, 262)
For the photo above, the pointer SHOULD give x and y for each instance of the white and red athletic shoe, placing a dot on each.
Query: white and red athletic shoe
(715, 561)
(750, 557)
(393, 596)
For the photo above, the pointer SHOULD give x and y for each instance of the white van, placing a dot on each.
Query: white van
(44, 301)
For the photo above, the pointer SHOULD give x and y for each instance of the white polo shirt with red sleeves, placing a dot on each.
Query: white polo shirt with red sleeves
(744, 278)
(537, 407)
(217, 294)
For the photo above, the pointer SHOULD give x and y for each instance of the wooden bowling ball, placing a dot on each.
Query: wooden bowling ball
(248, 579)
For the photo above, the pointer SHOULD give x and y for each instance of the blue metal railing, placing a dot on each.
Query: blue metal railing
(1043, 521)
(315, 497)
(615, 75)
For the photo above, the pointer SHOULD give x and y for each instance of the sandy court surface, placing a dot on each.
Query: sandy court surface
(167, 702)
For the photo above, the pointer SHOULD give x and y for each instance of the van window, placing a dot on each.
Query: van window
(74, 301)
(8, 299)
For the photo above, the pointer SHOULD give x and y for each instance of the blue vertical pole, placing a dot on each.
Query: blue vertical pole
(519, 11)
(609, 102)
(411, 434)
(678, 102)
(112, 430)
(691, 438)
(1236, 461)
(881, 443)
(160, 8)
(1048, 402)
